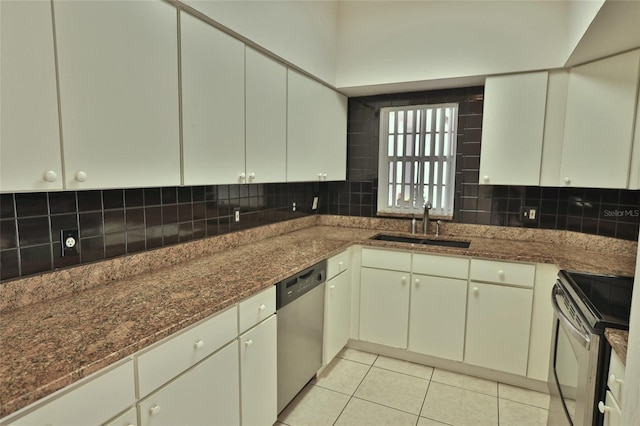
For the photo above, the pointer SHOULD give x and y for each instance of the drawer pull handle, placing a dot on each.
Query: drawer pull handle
(475, 290)
(403, 280)
(602, 408)
(613, 380)
(332, 286)
(154, 410)
(248, 342)
(198, 345)
(81, 176)
(262, 307)
(501, 274)
(417, 281)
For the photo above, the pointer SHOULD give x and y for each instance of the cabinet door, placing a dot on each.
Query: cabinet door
(266, 119)
(29, 132)
(601, 101)
(118, 72)
(337, 317)
(128, 418)
(207, 394)
(434, 300)
(512, 129)
(304, 149)
(498, 322)
(258, 366)
(334, 135)
(384, 307)
(212, 104)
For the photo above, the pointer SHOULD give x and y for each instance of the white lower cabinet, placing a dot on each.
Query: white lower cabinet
(337, 317)
(498, 324)
(207, 394)
(258, 378)
(384, 307)
(433, 301)
(113, 388)
(128, 418)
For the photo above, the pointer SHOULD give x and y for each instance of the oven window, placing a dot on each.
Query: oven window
(566, 371)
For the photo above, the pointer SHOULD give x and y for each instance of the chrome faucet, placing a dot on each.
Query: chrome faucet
(425, 218)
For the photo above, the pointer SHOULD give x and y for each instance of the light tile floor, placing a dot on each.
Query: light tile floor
(359, 388)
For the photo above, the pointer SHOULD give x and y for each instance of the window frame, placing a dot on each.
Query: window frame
(416, 207)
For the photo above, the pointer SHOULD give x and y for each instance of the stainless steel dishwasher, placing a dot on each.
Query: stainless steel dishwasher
(300, 310)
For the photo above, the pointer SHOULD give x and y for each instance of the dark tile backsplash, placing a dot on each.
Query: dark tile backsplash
(608, 212)
(121, 221)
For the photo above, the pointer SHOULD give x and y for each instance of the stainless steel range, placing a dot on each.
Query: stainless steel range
(584, 305)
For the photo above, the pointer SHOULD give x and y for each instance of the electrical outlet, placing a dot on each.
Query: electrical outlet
(236, 214)
(69, 242)
(529, 214)
(314, 205)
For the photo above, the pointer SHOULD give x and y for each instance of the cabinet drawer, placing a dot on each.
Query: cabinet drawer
(170, 358)
(115, 391)
(208, 394)
(338, 263)
(257, 308)
(386, 259)
(520, 274)
(441, 266)
(615, 379)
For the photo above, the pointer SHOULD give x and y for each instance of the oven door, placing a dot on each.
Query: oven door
(573, 367)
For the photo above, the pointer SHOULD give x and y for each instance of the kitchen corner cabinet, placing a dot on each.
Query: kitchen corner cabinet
(512, 129)
(316, 130)
(499, 315)
(598, 132)
(337, 303)
(118, 74)
(213, 102)
(30, 156)
(266, 119)
(206, 394)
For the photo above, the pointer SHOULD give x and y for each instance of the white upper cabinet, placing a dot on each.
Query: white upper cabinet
(30, 158)
(303, 128)
(266, 119)
(333, 143)
(213, 101)
(634, 174)
(512, 129)
(316, 131)
(601, 101)
(118, 72)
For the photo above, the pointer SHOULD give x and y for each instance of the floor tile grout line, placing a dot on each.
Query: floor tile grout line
(424, 400)
(356, 390)
(406, 374)
(467, 389)
(385, 406)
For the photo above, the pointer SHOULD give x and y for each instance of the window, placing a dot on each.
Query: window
(417, 159)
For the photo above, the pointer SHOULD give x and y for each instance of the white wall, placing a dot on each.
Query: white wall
(631, 397)
(303, 33)
(580, 16)
(398, 41)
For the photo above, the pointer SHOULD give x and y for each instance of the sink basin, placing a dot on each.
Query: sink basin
(418, 240)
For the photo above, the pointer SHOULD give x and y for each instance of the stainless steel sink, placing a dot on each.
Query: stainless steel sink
(419, 240)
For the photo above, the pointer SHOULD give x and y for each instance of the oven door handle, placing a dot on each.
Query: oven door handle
(583, 338)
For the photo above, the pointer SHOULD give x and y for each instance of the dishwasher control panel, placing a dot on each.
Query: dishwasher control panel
(293, 287)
